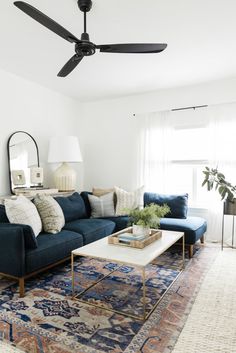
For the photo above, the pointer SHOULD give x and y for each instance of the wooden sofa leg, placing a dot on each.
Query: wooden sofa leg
(202, 239)
(190, 251)
(22, 287)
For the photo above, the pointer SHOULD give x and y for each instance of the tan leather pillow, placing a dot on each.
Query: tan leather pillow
(100, 192)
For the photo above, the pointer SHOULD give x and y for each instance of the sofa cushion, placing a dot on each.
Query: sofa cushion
(121, 222)
(52, 248)
(3, 215)
(100, 192)
(193, 227)
(91, 229)
(50, 212)
(29, 237)
(84, 195)
(72, 206)
(23, 211)
(178, 203)
(128, 200)
(102, 206)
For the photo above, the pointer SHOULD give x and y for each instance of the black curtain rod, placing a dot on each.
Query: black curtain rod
(177, 109)
(196, 107)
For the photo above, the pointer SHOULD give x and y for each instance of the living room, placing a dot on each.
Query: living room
(121, 107)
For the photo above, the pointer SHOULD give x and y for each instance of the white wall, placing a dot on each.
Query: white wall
(111, 131)
(39, 111)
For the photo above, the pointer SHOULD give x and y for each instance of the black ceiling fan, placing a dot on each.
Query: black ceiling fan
(83, 46)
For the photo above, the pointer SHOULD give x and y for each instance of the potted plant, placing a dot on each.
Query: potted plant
(146, 218)
(214, 179)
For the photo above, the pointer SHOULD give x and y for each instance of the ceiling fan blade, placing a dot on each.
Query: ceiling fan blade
(70, 65)
(46, 21)
(132, 48)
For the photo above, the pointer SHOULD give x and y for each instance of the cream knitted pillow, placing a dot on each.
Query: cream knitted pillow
(23, 211)
(51, 214)
(127, 199)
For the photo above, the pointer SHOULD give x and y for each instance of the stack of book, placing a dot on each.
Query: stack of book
(128, 237)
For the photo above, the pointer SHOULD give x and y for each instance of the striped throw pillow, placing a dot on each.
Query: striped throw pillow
(128, 200)
(102, 206)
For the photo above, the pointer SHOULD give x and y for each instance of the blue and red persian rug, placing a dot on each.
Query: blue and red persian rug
(48, 320)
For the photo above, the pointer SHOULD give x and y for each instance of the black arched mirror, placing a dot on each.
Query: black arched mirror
(23, 161)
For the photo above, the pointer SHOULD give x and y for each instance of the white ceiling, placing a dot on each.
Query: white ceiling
(201, 37)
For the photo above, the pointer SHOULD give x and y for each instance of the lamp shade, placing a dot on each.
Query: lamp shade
(64, 149)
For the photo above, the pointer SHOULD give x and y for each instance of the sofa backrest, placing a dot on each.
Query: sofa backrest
(84, 195)
(73, 207)
(178, 203)
(3, 215)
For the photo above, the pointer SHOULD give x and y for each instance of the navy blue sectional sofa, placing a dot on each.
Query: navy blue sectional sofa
(22, 255)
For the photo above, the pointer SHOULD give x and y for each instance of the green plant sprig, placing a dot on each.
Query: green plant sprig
(148, 216)
(215, 179)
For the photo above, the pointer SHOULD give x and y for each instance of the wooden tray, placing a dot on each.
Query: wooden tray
(139, 244)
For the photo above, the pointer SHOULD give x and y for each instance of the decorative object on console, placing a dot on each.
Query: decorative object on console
(23, 211)
(36, 176)
(50, 212)
(18, 177)
(102, 206)
(66, 150)
(128, 200)
(23, 154)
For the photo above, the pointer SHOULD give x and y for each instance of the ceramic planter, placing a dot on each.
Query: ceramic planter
(140, 230)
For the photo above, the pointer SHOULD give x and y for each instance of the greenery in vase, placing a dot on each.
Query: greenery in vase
(148, 216)
(215, 179)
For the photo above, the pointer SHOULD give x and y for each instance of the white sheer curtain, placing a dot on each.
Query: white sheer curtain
(156, 150)
(222, 132)
(154, 153)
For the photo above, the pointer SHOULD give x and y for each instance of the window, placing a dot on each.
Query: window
(188, 154)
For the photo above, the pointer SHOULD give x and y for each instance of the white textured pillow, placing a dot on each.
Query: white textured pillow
(51, 214)
(23, 211)
(102, 206)
(127, 199)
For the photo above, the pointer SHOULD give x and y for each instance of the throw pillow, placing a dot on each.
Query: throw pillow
(100, 192)
(51, 214)
(23, 211)
(102, 206)
(73, 207)
(127, 199)
(3, 215)
(178, 203)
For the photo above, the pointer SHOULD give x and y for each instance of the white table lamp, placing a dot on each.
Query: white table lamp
(64, 149)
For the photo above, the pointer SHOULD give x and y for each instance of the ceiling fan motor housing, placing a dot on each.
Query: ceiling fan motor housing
(85, 5)
(85, 48)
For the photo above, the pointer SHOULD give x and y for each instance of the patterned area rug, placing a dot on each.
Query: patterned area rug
(47, 320)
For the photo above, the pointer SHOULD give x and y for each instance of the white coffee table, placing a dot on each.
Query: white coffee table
(126, 256)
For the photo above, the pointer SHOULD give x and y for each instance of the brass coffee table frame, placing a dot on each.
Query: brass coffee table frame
(145, 315)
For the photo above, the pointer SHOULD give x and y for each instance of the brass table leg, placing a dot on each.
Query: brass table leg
(183, 255)
(72, 275)
(144, 293)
